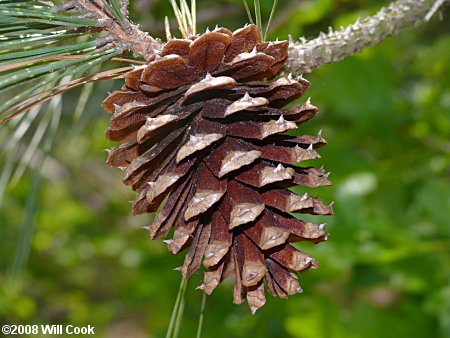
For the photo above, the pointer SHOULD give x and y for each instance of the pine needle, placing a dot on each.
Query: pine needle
(186, 17)
(117, 13)
(179, 17)
(272, 12)
(65, 68)
(194, 16)
(202, 314)
(61, 50)
(258, 15)
(176, 308)
(39, 46)
(247, 9)
(84, 96)
(27, 231)
(183, 17)
(37, 99)
(167, 28)
(8, 168)
(180, 309)
(31, 149)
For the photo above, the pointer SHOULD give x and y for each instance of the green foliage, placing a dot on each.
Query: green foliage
(39, 47)
(385, 269)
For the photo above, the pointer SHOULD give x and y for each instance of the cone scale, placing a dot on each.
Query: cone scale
(204, 144)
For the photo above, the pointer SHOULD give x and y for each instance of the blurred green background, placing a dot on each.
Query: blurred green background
(385, 270)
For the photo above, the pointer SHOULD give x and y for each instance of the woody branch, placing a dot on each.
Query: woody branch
(327, 48)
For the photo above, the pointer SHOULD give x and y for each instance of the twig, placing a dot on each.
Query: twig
(123, 34)
(334, 46)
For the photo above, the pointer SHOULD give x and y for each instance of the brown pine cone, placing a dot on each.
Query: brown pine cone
(203, 144)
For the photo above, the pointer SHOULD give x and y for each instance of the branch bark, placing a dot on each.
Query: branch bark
(334, 46)
(122, 33)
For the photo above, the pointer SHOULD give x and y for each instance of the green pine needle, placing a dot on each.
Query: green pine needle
(175, 319)
(35, 42)
(258, 15)
(40, 51)
(202, 315)
(272, 12)
(247, 9)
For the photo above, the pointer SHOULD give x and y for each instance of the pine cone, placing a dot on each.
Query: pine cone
(204, 146)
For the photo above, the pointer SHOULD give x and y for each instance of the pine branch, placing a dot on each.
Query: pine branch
(334, 46)
(122, 33)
